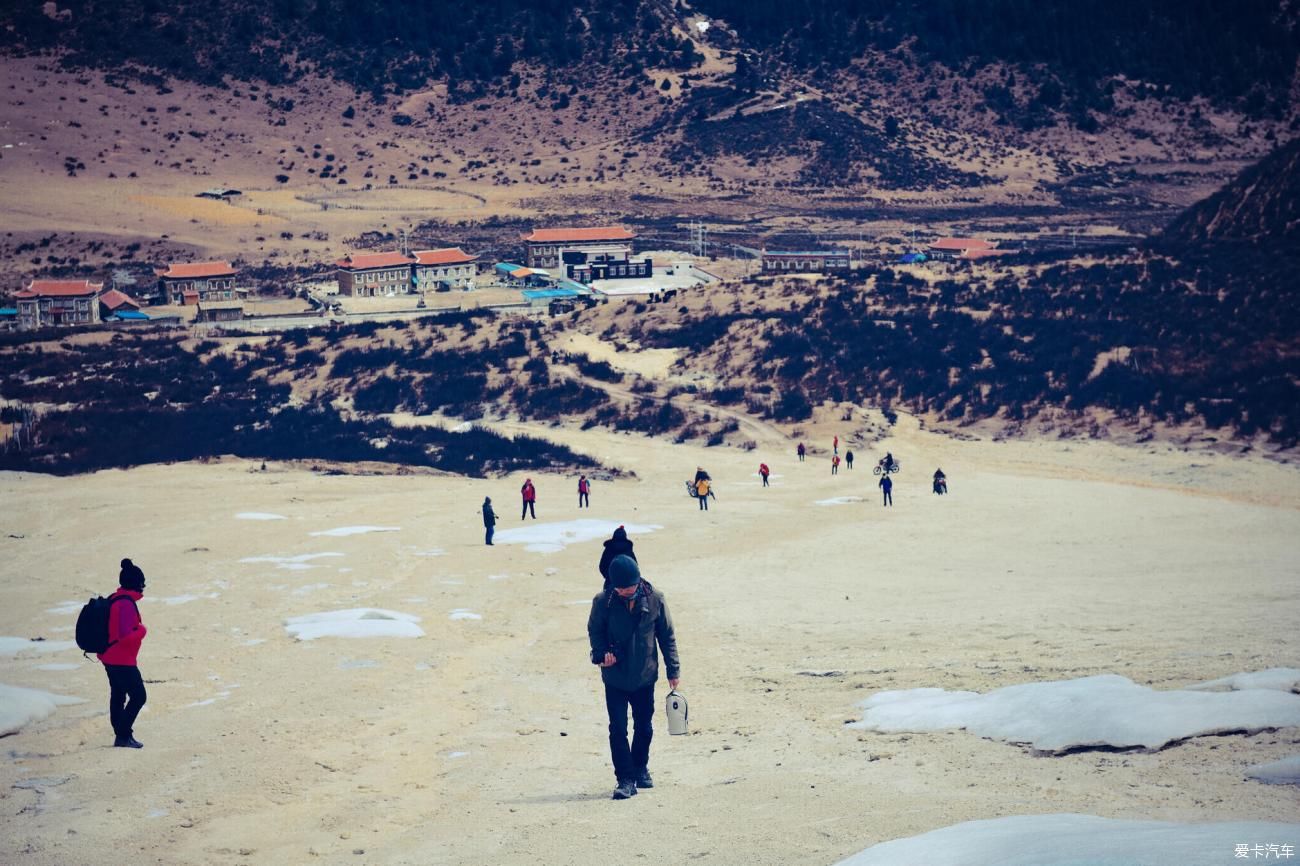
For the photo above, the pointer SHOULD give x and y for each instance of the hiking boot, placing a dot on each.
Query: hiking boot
(624, 790)
(643, 779)
(127, 743)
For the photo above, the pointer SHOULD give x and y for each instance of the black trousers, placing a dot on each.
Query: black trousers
(528, 507)
(487, 533)
(584, 499)
(628, 761)
(704, 503)
(888, 498)
(126, 696)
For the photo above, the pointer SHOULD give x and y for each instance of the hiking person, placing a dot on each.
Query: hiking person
(940, 482)
(848, 458)
(617, 544)
(835, 446)
(489, 520)
(764, 472)
(702, 491)
(126, 631)
(629, 625)
(887, 487)
(584, 492)
(529, 492)
(887, 463)
(801, 451)
(835, 465)
(701, 475)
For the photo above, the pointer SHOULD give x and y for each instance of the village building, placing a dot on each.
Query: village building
(54, 303)
(219, 311)
(586, 254)
(953, 248)
(443, 269)
(188, 283)
(812, 261)
(372, 275)
(113, 302)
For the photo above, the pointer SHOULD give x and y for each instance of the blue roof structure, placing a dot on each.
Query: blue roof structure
(507, 267)
(8, 311)
(912, 258)
(573, 286)
(548, 294)
(129, 316)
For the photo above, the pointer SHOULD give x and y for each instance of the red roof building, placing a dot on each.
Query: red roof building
(586, 254)
(367, 275)
(947, 248)
(191, 282)
(443, 269)
(112, 301)
(45, 303)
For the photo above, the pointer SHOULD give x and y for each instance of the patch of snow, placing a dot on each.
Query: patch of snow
(340, 531)
(310, 587)
(58, 666)
(433, 551)
(838, 500)
(20, 707)
(553, 537)
(551, 572)
(464, 613)
(1282, 679)
(455, 755)
(1283, 772)
(358, 622)
(66, 608)
(1106, 710)
(1077, 840)
(259, 515)
(179, 599)
(157, 813)
(702, 26)
(463, 427)
(454, 582)
(291, 563)
(498, 576)
(14, 646)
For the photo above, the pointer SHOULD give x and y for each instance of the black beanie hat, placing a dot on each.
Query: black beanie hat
(624, 572)
(131, 577)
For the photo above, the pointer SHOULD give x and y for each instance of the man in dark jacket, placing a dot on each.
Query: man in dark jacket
(617, 545)
(627, 622)
(489, 520)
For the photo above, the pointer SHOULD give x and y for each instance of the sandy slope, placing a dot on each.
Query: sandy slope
(1048, 561)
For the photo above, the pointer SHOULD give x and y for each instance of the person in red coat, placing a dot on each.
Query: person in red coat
(126, 631)
(530, 498)
(764, 471)
(584, 492)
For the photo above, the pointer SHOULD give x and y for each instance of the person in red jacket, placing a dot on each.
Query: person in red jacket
(126, 631)
(584, 492)
(764, 471)
(530, 499)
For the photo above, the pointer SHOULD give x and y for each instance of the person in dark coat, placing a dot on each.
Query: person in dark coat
(887, 487)
(489, 520)
(629, 625)
(848, 458)
(616, 545)
(126, 631)
(940, 482)
(801, 452)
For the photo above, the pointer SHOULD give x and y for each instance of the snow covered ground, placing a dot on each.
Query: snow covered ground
(1084, 840)
(1099, 711)
(20, 707)
(361, 622)
(554, 537)
(1283, 772)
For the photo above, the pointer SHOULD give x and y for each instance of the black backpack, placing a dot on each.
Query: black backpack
(92, 623)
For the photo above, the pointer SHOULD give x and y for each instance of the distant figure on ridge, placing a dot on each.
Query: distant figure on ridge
(126, 632)
(529, 492)
(584, 492)
(848, 458)
(940, 482)
(802, 451)
(489, 520)
(835, 446)
(887, 487)
(764, 472)
(616, 545)
(629, 625)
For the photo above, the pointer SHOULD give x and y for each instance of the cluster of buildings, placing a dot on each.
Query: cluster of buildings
(560, 264)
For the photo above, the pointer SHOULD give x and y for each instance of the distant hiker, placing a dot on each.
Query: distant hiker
(887, 487)
(887, 463)
(764, 471)
(835, 446)
(848, 458)
(529, 493)
(702, 491)
(616, 545)
(628, 627)
(835, 465)
(940, 482)
(801, 452)
(584, 492)
(126, 631)
(701, 475)
(489, 520)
